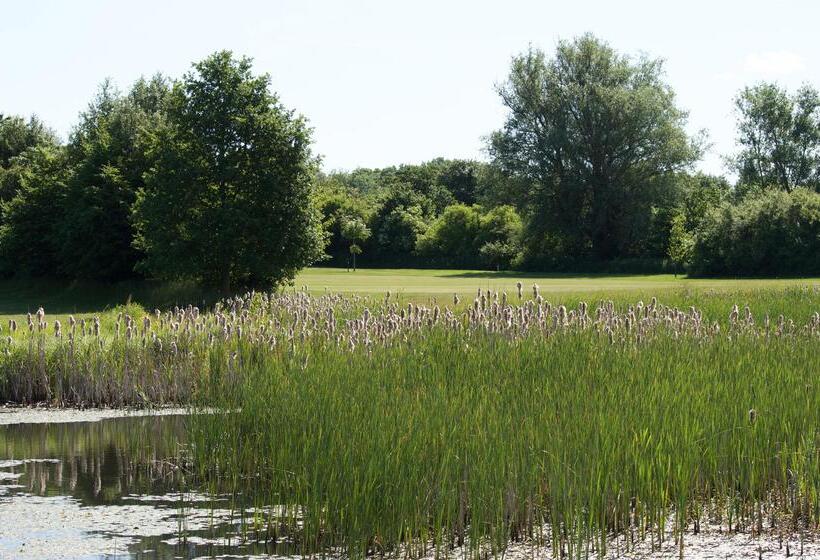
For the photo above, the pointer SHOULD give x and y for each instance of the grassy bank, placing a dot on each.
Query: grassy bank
(61, 299)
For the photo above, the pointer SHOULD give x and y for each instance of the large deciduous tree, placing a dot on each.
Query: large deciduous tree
(779, 135)
(594, 136)
(227, 197)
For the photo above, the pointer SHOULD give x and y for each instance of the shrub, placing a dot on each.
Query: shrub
(453, 236)
(773, 233)
(465, 236)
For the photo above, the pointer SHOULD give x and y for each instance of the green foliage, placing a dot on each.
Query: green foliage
(338, 203)
(780, 137)
(107, 153)
(593, 136)
(466, 236)
(498, 188)
(16, 137)
(29, 241)
(355, 230)
(700, 194)
(441, 181)
(204, 179)
(401, 219)
(774, 233)
(397, 203)
(681, 242)
(499, 242)
(227, 198)
(453, 235)
(460, 177)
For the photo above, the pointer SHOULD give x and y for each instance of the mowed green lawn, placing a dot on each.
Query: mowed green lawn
(423, 286)
(414, 283)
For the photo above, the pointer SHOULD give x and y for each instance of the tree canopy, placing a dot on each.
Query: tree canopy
(227, 197)
(107, 152)
(779, 136)
(594, 135)
(17, 135)
(210, 177)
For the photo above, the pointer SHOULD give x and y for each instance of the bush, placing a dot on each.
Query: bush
(464, 236)
(453, 235)
(773, 233)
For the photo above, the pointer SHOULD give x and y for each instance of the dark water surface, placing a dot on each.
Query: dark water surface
(114, 488)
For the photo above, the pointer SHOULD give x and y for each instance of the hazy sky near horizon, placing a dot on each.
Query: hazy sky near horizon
(385, 82)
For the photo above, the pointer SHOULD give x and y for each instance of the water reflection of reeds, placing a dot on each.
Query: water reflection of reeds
(98, 462)
(130, 469)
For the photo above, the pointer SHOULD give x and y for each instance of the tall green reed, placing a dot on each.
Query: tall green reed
(455, 436)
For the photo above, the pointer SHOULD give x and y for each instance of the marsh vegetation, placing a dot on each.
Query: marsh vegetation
(379, 425)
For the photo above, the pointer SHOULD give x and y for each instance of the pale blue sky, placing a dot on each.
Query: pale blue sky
(397, 82)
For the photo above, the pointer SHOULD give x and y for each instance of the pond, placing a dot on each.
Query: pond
(114, 487)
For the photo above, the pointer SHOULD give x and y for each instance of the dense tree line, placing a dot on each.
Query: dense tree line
(593, 171)
(210, 177)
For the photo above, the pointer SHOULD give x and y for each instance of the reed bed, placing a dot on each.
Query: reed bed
(134, 357)
(382, 426)
(413, 430)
